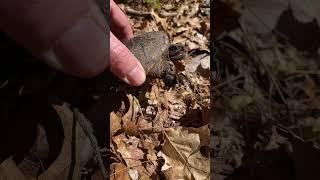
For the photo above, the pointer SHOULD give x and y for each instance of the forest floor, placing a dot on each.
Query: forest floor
(168, 137)
(55, 126)
(265, 90)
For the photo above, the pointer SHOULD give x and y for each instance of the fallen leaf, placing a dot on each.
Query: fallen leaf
(183, 159)
(128, 148)
(193, 64)
(129, 120)
(119, 172)
(115, 125)
(131, 153)
(154, 95)
(133, 173)
(144, 125)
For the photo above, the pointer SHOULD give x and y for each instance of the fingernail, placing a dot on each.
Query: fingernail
(136, 76)
(82, 49)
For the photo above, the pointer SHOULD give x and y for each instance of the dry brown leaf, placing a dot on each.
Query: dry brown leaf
(159, 121)
(115, 123)
(205, 26)
(131, 153)
(144, 125)
(128, 148)
(310, 89)
(160, 21)
(119, 172)
(204, 134)
(183, 159)
(149, 143)
(130, 119)
(154, 95)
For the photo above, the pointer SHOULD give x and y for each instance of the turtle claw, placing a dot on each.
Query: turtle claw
(169, 76)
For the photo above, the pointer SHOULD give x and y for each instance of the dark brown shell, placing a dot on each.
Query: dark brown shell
(152, 50)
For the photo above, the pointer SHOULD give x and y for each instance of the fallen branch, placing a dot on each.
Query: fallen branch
(162, 13)
(134, 12)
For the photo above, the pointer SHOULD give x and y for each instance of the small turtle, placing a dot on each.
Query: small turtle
(156, 55)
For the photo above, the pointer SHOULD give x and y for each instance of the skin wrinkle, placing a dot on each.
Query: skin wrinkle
(120, 57)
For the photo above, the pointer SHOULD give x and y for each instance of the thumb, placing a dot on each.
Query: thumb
(71, 35)
(124, 64)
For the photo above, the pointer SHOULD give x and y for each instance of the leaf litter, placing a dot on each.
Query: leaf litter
(154, 130)
(265, 89)
(156, 137)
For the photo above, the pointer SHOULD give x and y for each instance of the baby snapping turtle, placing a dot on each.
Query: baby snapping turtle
(155, 53)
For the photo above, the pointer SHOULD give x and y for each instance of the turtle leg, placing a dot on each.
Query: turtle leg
(177, 52)
(169, 76)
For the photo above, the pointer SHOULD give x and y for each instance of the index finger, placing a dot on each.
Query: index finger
(119, 24)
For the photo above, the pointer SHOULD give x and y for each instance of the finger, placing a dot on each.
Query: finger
(70, 34)
(119, 24)
(123, 63)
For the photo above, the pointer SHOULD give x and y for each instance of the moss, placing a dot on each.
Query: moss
(153, 3)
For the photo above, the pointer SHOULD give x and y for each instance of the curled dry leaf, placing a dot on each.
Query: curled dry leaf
(129, 120)
(131, 153)
(144, 125)
(115, 123)
(181, 151)
(149, 143)
(128, 148)
(154, 95)
(159, 121)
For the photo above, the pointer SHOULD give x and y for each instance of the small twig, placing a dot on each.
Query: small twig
(167, 14)
(86, 127)
(137, 13)
(162, 13)
(40, 161)
(227, 82)
(306, 72)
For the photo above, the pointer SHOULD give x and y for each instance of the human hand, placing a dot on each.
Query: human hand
(71, 36)
(122, 61)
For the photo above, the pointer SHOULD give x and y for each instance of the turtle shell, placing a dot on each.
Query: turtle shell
(152, 50)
